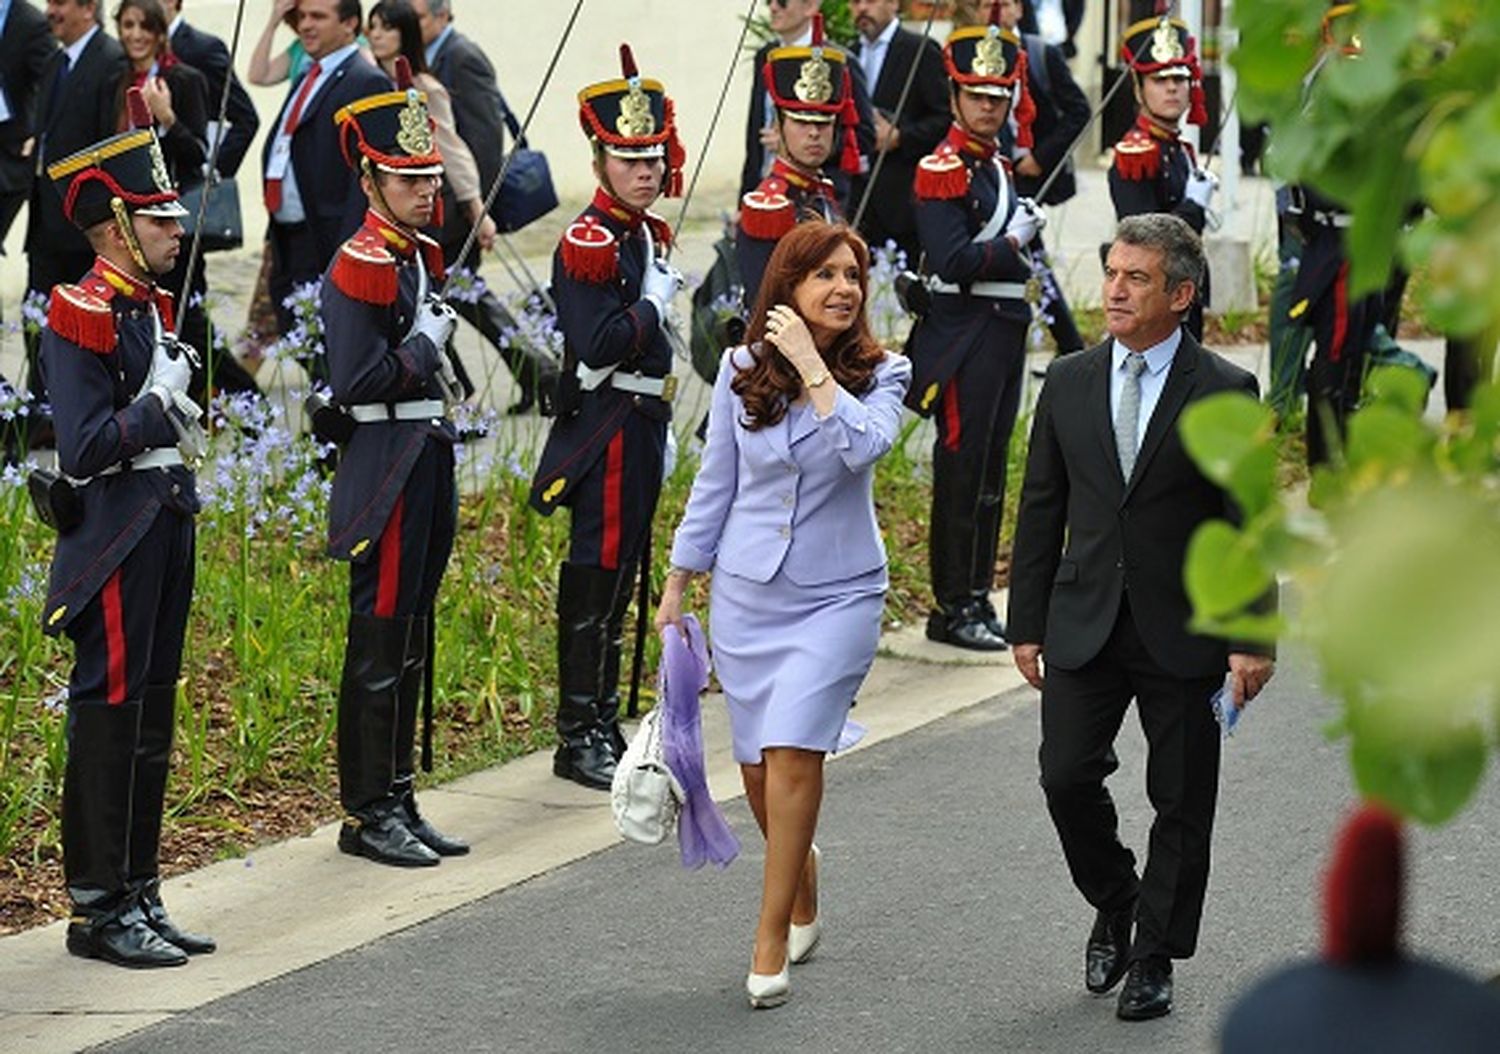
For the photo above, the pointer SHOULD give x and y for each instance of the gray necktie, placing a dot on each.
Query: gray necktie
(1128, 417)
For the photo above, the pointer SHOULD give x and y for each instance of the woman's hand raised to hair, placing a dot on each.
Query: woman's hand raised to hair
(786, 331)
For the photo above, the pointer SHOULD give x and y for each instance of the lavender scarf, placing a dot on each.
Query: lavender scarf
(701, 829)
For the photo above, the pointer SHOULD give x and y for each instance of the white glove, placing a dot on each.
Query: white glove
(660, 285)
(1025, 223)
(435, 320)
(171, 368)
(1201, 185)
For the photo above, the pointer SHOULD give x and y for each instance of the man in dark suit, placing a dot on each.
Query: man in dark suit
(207, 54)
(792, 22)
(314, 197)
(1057, 22)
(25, 47)
(886, 53)
(75, 107)
(479, 112)
(1110, 502)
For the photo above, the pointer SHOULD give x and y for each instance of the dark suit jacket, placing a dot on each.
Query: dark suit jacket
(84, 114)
(755, 154)
(1084, 535)
(479, 114)
(207, 54)
(1072, 18)
(329, 187)
(25, 46)
(923, 124)
(1062, 111)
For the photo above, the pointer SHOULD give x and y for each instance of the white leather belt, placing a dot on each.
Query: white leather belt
(664, 388)
(988, 290)
(411, 410)
(160, 457)
(1332, 219)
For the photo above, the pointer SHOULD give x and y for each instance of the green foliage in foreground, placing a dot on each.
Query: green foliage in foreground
(1398, 568)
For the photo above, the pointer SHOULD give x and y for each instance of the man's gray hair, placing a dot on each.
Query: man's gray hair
(1181, 248)
(436, 8)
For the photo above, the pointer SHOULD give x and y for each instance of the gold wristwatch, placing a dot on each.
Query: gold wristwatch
(818, 379)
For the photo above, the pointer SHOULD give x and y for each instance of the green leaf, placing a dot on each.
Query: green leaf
(1429, 781)
(1398, 386)
(1265, 629)
(1223, 573)
(1231, 438)
(1387, 439)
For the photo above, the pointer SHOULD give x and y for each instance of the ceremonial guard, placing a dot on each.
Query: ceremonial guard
(969, 351)
(1342, 329)
(122, 574)
(1154, 169)
(394, 503)
(813, 93)
(604, 455)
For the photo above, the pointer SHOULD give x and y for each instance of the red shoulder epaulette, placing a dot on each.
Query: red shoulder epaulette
(365, 269)
(81, 314)
(942, 175)
(767, 211)
(432, 257)
(590, 251)
(1138, 156)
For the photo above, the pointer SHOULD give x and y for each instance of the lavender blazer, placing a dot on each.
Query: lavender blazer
(800, 501)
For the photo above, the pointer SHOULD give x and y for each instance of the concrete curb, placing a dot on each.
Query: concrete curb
(299, 902)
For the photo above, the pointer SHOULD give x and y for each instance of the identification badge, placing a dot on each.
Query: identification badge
(280, 159)
(6, 113)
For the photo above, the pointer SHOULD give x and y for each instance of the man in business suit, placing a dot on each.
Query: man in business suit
(75, 107)
(791, 21)
(314, 198)
(207, 54)
(1056, 22)
(1110, 502)
(886, 53)
(479, 112)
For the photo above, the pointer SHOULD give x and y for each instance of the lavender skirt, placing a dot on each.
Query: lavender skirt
(791, 658)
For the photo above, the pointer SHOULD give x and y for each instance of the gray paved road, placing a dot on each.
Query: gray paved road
(951, 922)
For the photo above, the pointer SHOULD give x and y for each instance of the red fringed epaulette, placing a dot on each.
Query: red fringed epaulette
(1138, 156)
(365, 270)
(767, 211)
(942, 175)
(432, 256)
(590, 251)
(83, 316)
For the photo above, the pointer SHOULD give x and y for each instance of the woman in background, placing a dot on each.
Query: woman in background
(782, 511)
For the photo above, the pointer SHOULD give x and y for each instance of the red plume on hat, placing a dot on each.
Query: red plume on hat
(1362, 893)
(403, 73)
(628, 68)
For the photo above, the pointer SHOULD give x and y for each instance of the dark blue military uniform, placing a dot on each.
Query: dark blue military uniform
(785, 198)
(122, 572)
(968, 361)
(604, 456)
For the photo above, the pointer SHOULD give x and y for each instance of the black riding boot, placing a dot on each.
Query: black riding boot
(960, 616)
(369, 702)
(608, 705)
(585, 599)
(107, 921)
(153, 755)
(413, 679)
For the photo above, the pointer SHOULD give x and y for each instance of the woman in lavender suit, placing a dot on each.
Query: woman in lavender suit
(782, 512)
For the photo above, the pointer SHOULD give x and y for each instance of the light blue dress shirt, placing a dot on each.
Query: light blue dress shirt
(437, 44)
(1153, 379)
(292, 209)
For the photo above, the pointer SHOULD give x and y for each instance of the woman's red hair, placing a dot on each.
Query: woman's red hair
(770, 383)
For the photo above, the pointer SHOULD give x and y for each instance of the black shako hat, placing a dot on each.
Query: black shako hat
(393, 129)
(127, 168)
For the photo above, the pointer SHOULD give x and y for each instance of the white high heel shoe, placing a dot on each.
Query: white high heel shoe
(769, 989)
(801, 940)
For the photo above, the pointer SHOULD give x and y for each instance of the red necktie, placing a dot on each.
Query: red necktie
(273, 186)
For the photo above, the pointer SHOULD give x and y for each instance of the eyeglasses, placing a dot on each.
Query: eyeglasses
(778, 3)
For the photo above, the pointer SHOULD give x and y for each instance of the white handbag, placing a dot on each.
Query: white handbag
(645, 797)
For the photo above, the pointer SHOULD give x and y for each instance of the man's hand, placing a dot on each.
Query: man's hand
(1029, 661)
(436, 321)
(887, 135)
(1249, 674)
(1025, 223)
(1200, 187)
(1027, 166)
(770, 138)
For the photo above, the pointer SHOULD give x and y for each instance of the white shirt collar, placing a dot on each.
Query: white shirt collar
(886, 35)
(75, 49)
(803, 40)
(175, 26)
(1158, 356)
(334, 59)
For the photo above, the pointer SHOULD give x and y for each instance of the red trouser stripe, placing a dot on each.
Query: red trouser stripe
(1340, 313)
(390, 564)
(614, 476)
(114, 638)
(952, 426)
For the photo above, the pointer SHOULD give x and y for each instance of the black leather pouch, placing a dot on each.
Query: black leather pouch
(56, 500)
(328, 421)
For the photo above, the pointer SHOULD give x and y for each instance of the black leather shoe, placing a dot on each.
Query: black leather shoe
(990, 616)
(166, 929)
(1148, 990)
(125, 940)
(965, 629)
(1106, 958)
(385, 839)
(427, 834)
(589, 761)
